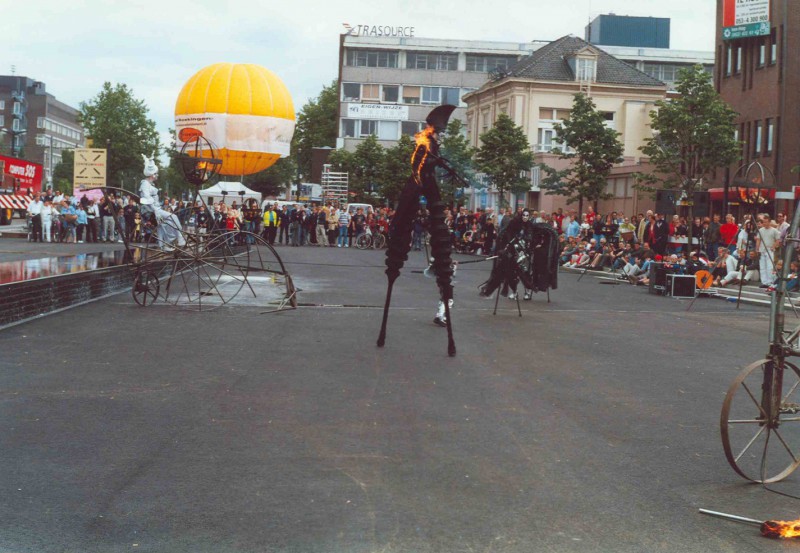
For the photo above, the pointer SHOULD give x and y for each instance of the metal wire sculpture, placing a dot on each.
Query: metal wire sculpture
(424, 162)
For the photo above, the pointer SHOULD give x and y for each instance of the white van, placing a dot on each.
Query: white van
(351, 208)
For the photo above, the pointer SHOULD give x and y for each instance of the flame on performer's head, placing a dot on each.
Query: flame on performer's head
(424, 137)
(781, 529)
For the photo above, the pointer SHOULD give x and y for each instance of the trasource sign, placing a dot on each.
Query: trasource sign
(745, 18)
(388, 112)
(378, 30)
(90, 168)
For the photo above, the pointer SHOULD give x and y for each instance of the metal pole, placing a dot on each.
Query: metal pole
(734, 518)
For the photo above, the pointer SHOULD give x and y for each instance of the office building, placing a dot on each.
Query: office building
(34, 124)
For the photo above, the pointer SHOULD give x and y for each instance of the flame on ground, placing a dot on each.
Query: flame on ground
(781, 529)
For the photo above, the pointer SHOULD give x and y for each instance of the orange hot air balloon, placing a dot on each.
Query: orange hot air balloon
(244, 109)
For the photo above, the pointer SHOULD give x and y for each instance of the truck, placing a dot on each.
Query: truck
(19, 179)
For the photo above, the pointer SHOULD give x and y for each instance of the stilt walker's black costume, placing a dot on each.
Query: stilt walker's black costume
(526, 252)
(424, 161)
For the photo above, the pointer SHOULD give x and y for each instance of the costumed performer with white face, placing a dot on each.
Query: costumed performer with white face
(169, 226)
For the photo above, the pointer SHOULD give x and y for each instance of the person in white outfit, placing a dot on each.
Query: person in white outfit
(169, 226)
(767, 238)
(48, 213)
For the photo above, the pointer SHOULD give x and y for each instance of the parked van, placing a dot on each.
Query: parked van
(351, 208)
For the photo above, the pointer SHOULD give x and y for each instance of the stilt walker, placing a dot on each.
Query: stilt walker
(424, 161)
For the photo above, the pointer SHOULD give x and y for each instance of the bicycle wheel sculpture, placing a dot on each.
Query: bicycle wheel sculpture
(209, 269)
(760, 418)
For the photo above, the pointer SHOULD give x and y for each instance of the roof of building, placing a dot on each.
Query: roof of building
(549, 63)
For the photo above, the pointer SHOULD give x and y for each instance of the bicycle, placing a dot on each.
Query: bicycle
(369, 240)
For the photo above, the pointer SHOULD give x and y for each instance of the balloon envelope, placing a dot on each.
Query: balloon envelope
(245, 110)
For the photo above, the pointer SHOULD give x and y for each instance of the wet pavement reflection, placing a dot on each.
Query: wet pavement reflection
(29, 269)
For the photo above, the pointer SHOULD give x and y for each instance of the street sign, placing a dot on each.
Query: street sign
(90, 168)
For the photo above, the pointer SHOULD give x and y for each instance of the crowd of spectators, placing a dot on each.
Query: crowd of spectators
(627, 245)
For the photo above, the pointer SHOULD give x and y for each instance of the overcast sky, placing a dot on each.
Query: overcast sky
(155, 46)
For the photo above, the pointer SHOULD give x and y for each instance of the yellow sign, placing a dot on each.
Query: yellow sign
(90, 168)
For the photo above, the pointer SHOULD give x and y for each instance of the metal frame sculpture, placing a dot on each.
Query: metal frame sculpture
(424, 162)
(200, 270)
(760, 417)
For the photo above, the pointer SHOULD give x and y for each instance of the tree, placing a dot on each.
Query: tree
(456, 150)
(693, 135)
(117, 120)
(64, 171)
(593, 149)
(317, 125)
(504, 157)
(274, 180)
(365, 168)
(396, 168)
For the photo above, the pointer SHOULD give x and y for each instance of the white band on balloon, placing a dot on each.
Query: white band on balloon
(241, 133)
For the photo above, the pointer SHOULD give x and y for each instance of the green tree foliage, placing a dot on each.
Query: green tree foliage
(274, 180)
(693, 136)
(459, 154)
(64, 171)
(505, 156)
(593, 151)
(317, 125)
(115, 118)
(396, 168)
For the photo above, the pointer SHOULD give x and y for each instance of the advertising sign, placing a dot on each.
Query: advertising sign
(745, 18)
(90, 168)
(377, 111)
(25, 173)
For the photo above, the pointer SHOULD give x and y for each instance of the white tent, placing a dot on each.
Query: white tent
(229, 192)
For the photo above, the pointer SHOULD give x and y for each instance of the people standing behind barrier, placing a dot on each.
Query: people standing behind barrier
(298, 218)
(69, 217)
(728, 233)
(35, 213)
(285, 222)
(48, 214)
(321, 227)
(92, 221)
(272, 221)
(107, 220)
(80, 222)
(712, 237)
(767, 238)
(344, 225)
(251, 214)
(358, 223)
(129, 215)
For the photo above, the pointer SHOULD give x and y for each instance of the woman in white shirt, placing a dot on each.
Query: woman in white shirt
(48, 214)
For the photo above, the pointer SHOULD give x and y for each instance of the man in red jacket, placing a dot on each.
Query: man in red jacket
(728, 233)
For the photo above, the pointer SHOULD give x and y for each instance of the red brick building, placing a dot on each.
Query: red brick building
(757, 72)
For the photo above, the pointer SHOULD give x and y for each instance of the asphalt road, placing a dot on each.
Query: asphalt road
(589, 424)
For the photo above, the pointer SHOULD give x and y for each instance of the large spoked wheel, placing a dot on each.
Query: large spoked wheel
(363, 241)
(378, 241)
(145, 288)
(760, 421)
(208, 272)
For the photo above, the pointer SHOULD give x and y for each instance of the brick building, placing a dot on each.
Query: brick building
(757, 72)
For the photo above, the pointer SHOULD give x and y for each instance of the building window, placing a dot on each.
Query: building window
(770, 135)
(2, 120)
(431, 95)
(368, 127)
(773, 47)
(349, 128)
(585, 69)
(661, 71)
(371, 58)
(40, 122)
(762, 53)
(15, 125)
(371, 92)
(438, 62)
(411, 94)
(738, 59)
(758, 138)
(391, 93)
(388, 130)
(484, 121)
(351, 92)
(2, 104)
(728, 60)
(486, 64)
(608, 120)
(17, 108)
(451, 96)
(410, 127)
(547, 140)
